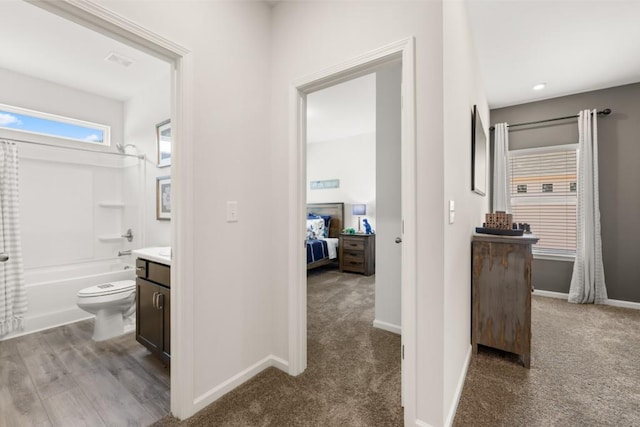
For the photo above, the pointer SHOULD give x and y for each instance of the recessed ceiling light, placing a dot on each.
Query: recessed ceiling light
(117, 58)
(539, 86)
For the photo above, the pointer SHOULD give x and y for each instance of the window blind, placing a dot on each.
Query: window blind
(543, 194)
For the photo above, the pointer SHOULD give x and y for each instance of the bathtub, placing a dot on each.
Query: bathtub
(52, 291)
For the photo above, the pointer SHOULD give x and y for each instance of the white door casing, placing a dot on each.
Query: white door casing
(109, 23)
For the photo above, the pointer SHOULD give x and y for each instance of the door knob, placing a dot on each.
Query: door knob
(4, 257)
(398, 239)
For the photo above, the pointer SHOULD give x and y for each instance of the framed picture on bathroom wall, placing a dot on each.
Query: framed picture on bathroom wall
(163, 138)
(163, 197)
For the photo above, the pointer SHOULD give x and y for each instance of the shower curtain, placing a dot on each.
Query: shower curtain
(13, 296)
(587, 281)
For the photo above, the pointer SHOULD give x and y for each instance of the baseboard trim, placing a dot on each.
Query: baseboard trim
(611, 302)
(456, 398)
(220, 390)
(420, 423)
(387, 327)
(624, 304)
(550, 294)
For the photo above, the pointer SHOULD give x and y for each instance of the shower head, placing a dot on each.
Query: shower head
(123, 148)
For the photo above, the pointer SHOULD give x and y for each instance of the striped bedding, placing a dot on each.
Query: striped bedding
(317, 250)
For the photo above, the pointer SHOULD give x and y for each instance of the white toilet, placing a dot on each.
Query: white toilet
(113, 304)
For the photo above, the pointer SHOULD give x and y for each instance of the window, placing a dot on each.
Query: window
(29, 121)
(543, 194)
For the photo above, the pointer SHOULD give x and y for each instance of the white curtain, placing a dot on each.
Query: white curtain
(13, 296)
(587, 282)
(501, 190)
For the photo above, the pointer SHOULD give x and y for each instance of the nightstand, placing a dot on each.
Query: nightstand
(358, 253)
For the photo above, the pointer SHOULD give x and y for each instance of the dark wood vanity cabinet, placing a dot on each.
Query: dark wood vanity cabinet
(153, 308)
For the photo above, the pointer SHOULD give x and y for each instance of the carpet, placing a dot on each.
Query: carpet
(352, 376)
(585, 371)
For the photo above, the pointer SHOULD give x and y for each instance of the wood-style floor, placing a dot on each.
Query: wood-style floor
(60, 377)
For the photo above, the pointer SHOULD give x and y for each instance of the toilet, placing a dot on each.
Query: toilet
(113, 304)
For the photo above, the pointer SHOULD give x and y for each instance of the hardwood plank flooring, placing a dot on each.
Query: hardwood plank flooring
(60, 377)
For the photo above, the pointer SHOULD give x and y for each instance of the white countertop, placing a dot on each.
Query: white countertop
(160, 254)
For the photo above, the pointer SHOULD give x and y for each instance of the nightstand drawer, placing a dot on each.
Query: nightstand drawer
(355, 264)
(353, 244)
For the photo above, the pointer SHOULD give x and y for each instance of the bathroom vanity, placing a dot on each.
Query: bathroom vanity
(153, 305)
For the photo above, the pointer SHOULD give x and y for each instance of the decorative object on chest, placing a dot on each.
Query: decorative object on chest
(358, 253)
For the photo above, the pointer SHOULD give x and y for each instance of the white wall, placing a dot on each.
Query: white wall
(310, 36)
(352, 160)
(388, 175)
(152, 105)
(463, 88)
(233, 292)
(246, 58)
(24, 91)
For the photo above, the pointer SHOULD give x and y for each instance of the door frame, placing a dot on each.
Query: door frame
(297, 305)
(111, 24)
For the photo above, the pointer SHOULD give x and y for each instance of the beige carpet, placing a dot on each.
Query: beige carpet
(585, 371)
(353, 373)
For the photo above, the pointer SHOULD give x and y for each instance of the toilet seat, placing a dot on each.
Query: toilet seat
(111, 288)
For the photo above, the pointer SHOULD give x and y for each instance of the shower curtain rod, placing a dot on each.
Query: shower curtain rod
(604, 112)
(139, 156)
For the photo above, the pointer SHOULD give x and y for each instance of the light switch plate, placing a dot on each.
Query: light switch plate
(452, 211)
(232, 211)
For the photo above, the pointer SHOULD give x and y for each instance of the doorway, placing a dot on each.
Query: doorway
(102, 20)
(401, 52)
(353, 298)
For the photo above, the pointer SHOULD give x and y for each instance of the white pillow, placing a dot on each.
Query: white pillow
(315, 229)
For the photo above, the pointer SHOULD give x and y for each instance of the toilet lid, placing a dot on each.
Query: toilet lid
(108, 288)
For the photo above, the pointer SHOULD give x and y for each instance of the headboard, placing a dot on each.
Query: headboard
(335, 210)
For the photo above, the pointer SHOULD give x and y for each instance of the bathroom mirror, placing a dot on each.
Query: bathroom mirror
(479, 155)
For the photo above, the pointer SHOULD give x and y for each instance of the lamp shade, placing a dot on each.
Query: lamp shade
(359, 209)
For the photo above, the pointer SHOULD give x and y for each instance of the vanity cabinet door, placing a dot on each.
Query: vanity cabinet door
(149, 319)
(166, 322)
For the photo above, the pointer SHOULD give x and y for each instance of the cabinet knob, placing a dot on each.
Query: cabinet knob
(398, 239)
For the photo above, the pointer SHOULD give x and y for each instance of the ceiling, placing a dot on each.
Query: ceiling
(572, 45)
(343, 110)
(42, 45)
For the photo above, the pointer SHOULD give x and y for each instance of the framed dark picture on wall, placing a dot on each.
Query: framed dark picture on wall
(163, 138)
(163, 197)
(479, 154)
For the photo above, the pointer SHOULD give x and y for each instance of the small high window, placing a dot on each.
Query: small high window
(30, 121)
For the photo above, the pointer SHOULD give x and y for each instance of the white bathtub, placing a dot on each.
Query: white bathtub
(52, 291)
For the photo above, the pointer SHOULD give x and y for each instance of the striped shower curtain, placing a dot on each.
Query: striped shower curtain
(13, 296)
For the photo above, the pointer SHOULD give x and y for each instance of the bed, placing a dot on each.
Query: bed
(322, 241)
